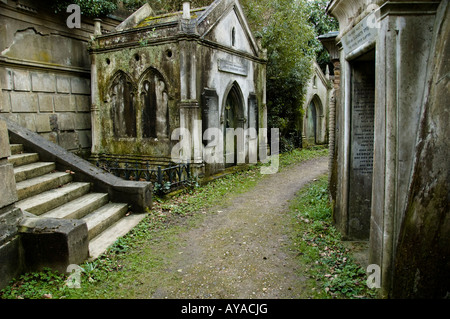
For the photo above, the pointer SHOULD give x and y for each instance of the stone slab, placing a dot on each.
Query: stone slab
(43, 82)
(10, 261)
(62, 84)
(9, 219)
(22, 80)
(8, 184)
(80, 86)
(5, 150)
(53, 243)
(45, 102)
(64, 103)
(24, 102)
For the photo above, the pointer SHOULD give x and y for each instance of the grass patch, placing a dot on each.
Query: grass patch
(332, 270)
(122, 269)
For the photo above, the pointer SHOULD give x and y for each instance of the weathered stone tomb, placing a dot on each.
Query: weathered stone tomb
(391, 140)
(191, 71)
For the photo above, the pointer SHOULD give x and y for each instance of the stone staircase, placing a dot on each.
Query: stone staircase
(47, 193)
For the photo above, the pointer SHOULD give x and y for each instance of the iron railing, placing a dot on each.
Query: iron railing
(173, 176)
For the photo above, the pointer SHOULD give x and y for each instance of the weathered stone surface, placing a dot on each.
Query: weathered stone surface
(409, 223)
(5, 101)
(22, 80)
(80, 86)
(8, 184)
(64, 103)
(62, 84)
(82, 121)
(83, 103)
(24, 102)
(68, 140)
(27, 120)
(10, 260)
(151, 86)
(138, 194)
(9, 221)
(43, 82)
(42, 123)
(6, 78)
(66, 121)
(5, 150)
(84, 138)
(53, 243)
(45, 102)
(422, 263)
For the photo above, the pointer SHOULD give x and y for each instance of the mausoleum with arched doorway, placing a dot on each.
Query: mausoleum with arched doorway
(199, 71)
(315, 110)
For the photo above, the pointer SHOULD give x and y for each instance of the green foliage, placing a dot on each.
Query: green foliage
(286, 35)
(164, 6)
(334, 270)
(35, 285)
(90, 8)
(322, 23)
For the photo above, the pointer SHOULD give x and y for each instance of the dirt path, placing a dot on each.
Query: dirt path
(241, 250)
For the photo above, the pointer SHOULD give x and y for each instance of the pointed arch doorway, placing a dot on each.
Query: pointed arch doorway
(233, 119)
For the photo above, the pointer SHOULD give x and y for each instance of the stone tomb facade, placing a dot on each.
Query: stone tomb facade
(158, 76)
(391, 137)
(316, 107)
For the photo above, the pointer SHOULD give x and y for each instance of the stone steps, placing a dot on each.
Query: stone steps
(28, 171)
(23, 159)
(100, 243)
(47, 193)
(40, 184)
(46, 201)
(102, 218)
(80, 207)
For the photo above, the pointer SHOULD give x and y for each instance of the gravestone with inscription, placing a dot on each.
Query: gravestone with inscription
(361, 148)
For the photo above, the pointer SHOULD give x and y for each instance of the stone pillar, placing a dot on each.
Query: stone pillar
(10, 216)
(190, 116)
(96, 129)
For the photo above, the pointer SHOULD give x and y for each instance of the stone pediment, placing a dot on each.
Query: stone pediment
(224, 23)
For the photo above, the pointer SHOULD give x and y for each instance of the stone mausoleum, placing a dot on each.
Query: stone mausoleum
(196, 69)
(391, 149)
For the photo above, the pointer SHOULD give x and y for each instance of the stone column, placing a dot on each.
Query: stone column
(10, 216)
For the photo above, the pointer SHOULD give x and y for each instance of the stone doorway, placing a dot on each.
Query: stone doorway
(362, 102)
(233, 121)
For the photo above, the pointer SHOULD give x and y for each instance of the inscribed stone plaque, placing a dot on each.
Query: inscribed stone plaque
(232, 67)
(361, 152)
(362, 34)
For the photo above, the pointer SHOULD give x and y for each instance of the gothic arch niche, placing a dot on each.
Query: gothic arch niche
(155, 105)
(233, 119)
(313, 121)
(122, 105)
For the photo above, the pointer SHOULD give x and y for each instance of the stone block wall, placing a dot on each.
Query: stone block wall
(45, 72)
(10, 216)
(55, 105)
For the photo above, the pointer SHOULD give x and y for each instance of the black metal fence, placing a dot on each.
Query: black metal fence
(164, 179)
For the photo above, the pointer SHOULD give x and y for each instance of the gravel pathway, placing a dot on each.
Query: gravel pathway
(241, 251)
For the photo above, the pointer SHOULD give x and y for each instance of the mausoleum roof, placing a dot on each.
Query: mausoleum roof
(169, 17)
